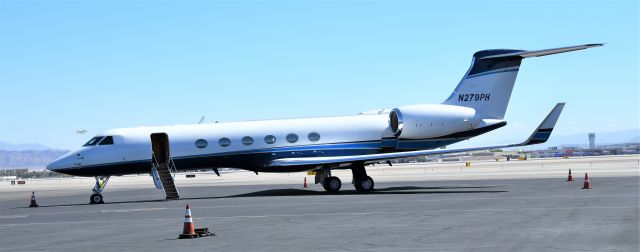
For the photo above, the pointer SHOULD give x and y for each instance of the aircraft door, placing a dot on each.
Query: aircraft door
(161, 152)
(160, 147)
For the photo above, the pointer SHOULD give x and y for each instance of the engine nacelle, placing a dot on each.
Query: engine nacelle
(430, 120)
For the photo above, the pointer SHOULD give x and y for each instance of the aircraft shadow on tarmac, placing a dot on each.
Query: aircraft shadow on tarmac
(305, 192)
(388, 190)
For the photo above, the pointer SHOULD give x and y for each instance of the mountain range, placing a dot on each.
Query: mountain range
(22, 147)
(28, 159)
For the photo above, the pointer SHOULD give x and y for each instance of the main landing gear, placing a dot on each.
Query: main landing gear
(332, 184)
(360, 181)
(101, 183)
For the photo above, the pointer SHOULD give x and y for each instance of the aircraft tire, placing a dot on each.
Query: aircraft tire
(332, 184)
(365, 185)
(96, 198)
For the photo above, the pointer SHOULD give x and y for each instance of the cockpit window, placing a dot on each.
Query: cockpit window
(107, 141)
(94, 141)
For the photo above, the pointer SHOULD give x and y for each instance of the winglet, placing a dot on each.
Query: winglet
(542, 133)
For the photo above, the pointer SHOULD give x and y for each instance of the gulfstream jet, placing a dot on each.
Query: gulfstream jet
(476, 106)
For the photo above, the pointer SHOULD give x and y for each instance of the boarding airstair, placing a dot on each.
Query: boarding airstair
(163, 165)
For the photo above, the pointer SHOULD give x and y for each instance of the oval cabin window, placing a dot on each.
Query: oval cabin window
(224, 142)
(292, 138)
(201, 143)
(270, 139)
(247, 140)
(314, 136)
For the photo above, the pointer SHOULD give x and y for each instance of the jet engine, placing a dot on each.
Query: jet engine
(425, 121)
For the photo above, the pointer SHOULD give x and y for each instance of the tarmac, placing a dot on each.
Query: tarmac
(490, 206)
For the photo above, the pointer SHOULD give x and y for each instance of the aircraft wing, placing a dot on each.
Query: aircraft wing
(540, 135)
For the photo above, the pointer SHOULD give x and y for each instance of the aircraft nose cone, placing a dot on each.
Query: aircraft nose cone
(60, 163)
(55, 165)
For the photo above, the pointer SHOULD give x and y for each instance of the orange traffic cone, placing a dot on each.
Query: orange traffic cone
(570, 178)
(305, 183)
(33, 200)
(189, 230)
(586, 185)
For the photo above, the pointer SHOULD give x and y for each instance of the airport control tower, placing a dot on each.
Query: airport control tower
(592, 140)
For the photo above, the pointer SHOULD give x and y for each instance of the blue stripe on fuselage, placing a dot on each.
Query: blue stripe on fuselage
(249, 159)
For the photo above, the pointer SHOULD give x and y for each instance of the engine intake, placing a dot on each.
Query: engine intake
(395, 121)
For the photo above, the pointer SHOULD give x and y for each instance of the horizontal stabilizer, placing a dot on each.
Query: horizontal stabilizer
(538, 53)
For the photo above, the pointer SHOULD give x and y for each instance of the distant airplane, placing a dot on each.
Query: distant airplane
(476, 106)
(84, 131)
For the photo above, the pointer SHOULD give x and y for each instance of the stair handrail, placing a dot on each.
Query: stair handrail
(172, 167)
(154, 160)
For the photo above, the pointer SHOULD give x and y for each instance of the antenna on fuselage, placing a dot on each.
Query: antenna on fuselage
(201, 120)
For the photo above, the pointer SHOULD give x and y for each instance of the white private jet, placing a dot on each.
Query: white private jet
(476, 106)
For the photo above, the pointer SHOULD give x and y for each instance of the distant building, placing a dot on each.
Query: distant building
(592, 140)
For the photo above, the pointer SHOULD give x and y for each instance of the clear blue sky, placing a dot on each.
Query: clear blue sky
(67, 65)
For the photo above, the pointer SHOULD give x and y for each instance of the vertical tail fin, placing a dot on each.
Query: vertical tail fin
(488, 83)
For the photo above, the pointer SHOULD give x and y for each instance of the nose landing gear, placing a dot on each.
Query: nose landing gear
(101, 183)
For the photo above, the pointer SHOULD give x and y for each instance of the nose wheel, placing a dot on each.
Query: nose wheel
(101, 183)
(96, 198)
